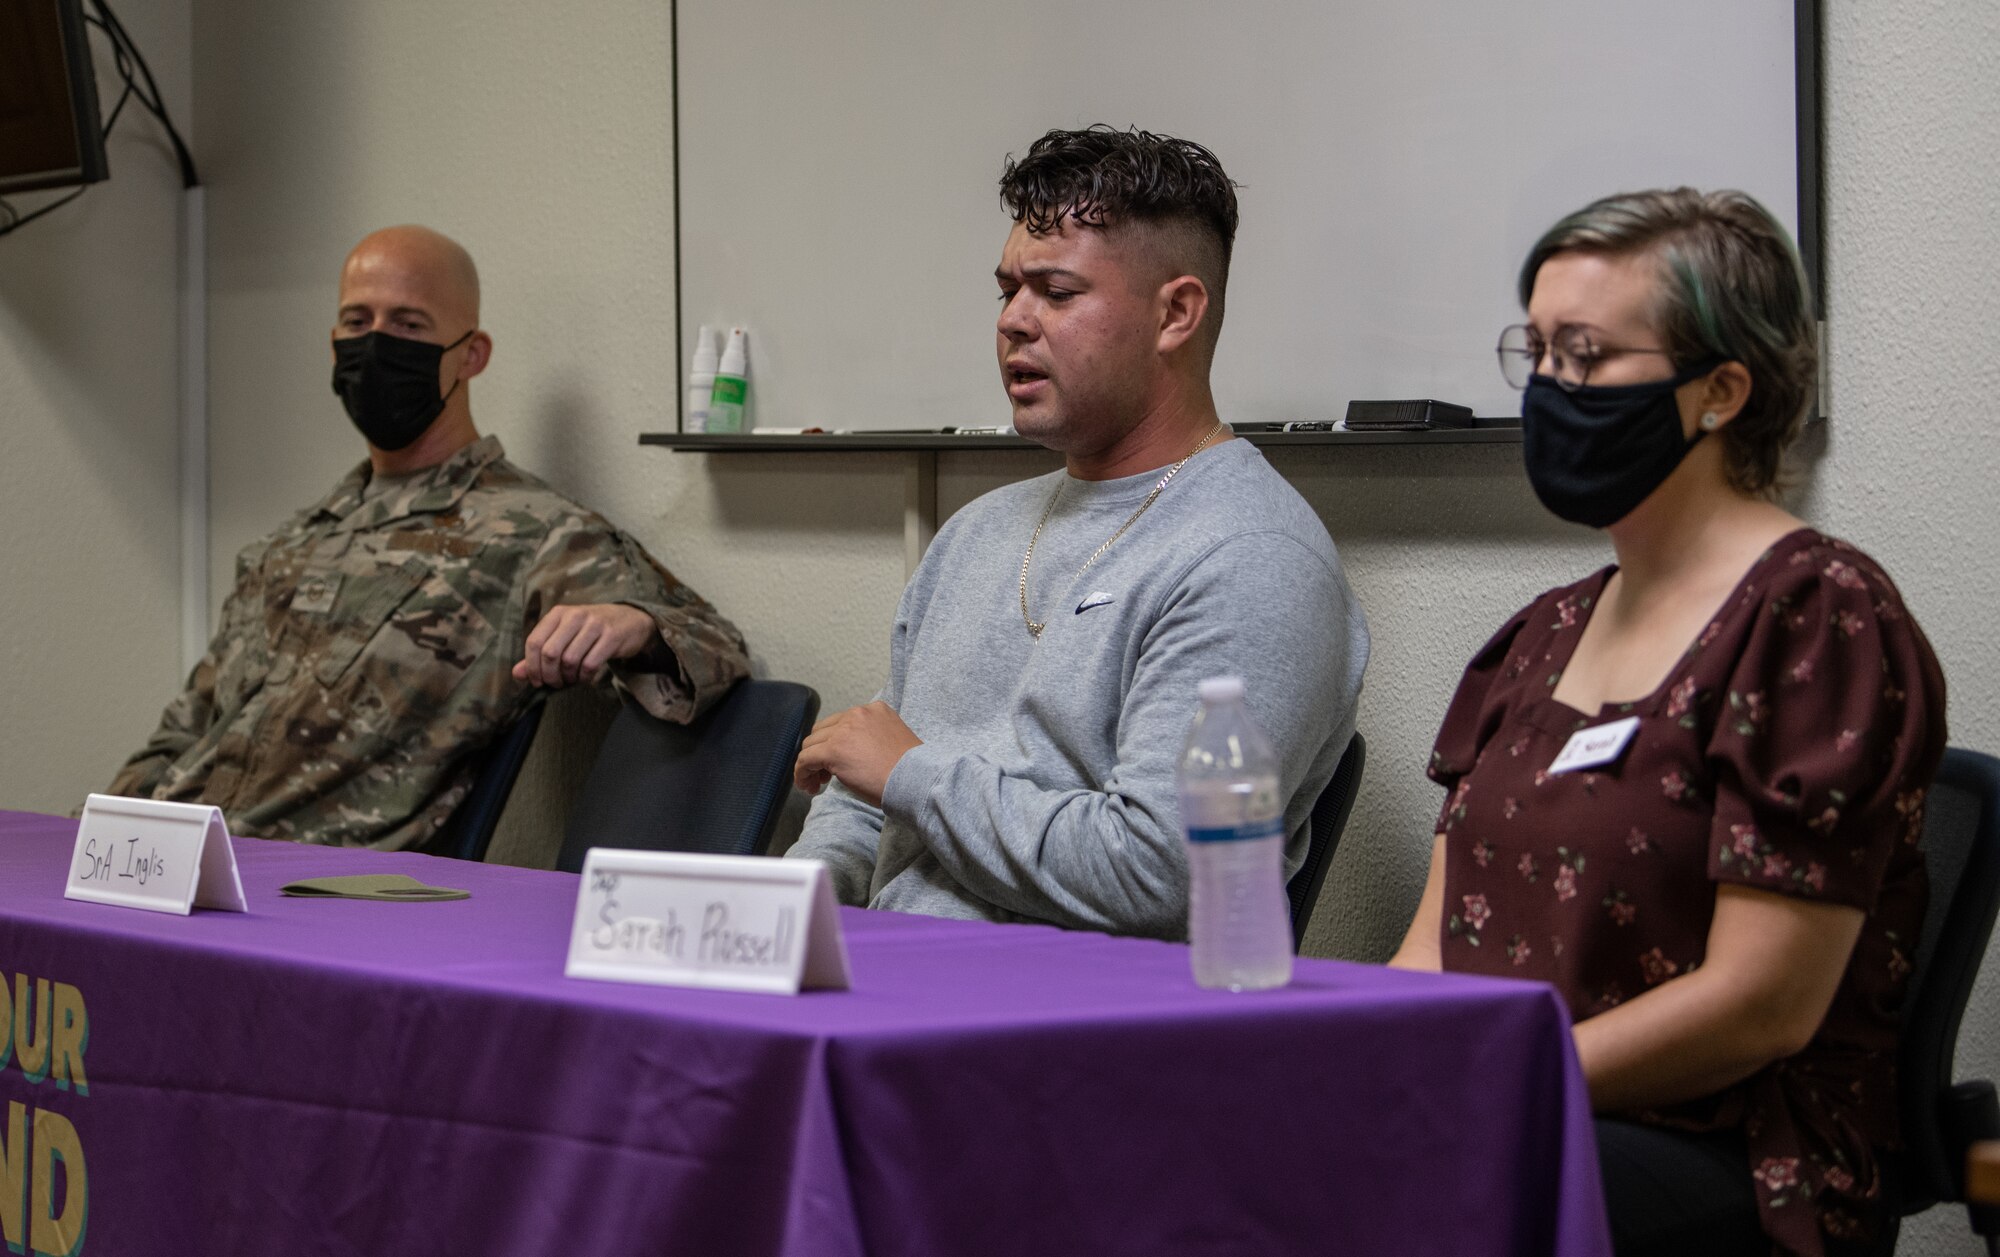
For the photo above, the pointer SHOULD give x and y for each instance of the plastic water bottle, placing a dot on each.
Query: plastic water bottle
(1239, 924)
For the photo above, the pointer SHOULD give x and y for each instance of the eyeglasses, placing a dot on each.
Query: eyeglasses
(1574, 353)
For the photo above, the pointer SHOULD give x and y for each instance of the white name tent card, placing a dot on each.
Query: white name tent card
(1596, 746)
(724, 922)
(163, 857)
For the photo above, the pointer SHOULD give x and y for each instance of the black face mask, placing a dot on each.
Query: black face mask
(1595, 454)
(389, 385)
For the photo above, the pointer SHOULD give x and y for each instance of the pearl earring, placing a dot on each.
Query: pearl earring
(1709, 421)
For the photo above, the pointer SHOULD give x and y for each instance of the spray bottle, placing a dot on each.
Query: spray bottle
(701, 380)
(732, 387)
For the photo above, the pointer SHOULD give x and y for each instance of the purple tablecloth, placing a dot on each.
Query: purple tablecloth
(344, 1077)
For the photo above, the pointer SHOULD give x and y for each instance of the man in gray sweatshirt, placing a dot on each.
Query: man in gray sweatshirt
(1019, 765)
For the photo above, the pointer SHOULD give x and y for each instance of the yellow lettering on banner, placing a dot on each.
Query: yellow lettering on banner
(55, 1140)
(31, 1050)
(6, 1021)
(72, 1035)
(14, 1175)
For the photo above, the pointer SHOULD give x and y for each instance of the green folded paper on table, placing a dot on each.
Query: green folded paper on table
(389, 886)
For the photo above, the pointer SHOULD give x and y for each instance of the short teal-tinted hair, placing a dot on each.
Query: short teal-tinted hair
(1730, 287)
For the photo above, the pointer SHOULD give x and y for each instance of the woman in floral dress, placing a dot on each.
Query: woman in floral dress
(1688, 789)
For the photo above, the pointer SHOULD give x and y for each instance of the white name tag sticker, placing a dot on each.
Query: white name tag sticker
(724, 922)
(1595, 746)
(163, 857)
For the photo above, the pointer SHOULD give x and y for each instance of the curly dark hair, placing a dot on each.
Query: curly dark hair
(1103, 177)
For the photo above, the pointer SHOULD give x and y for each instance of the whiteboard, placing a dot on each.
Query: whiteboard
(837, 172)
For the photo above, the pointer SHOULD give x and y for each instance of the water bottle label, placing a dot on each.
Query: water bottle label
(1239, 833)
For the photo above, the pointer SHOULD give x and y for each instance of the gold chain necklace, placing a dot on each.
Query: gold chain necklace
(1034, 629)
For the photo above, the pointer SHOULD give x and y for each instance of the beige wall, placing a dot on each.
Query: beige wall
(539, 135)
(1913, 296)
(89, 500)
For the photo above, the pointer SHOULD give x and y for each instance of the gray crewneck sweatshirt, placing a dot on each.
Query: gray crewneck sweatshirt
(1044, 788)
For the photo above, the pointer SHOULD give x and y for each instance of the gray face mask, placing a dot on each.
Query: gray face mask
(389, 385)
(1593, 454)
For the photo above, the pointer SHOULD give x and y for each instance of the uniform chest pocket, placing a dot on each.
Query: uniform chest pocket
(432, 639)
(361, 607)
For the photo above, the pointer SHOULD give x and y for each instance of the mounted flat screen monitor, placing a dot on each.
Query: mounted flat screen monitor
(49, 130)
(837, 167)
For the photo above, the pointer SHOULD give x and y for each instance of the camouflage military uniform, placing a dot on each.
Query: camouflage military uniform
(366, 653)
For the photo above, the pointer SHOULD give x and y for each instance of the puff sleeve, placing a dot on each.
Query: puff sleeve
(1478, 708)
(1826, 736)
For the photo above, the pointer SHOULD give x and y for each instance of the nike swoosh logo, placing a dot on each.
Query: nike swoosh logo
(1096, 598)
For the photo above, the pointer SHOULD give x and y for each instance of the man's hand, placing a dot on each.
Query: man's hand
(574, 644)
(861, 746)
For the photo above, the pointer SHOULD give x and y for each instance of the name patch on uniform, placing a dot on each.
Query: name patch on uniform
(1595, 746)
(314, 596)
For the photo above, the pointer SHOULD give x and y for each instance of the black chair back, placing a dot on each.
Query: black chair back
(716, 785)
(469, 832)
(1962, 856)
(1329, 817)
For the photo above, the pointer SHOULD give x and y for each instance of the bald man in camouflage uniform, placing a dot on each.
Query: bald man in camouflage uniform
(381, 639)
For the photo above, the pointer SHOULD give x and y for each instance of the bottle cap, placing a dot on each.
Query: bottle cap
(733, 357)
(1221, 689)
(705, 355)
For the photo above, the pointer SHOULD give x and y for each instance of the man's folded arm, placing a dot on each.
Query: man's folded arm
(1084, 859)
(1112, 859)
(845, 833)
(843, 829)
(696, 655)
(699, 655)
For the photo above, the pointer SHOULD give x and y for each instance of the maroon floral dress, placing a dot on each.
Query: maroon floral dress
(1788, 750)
